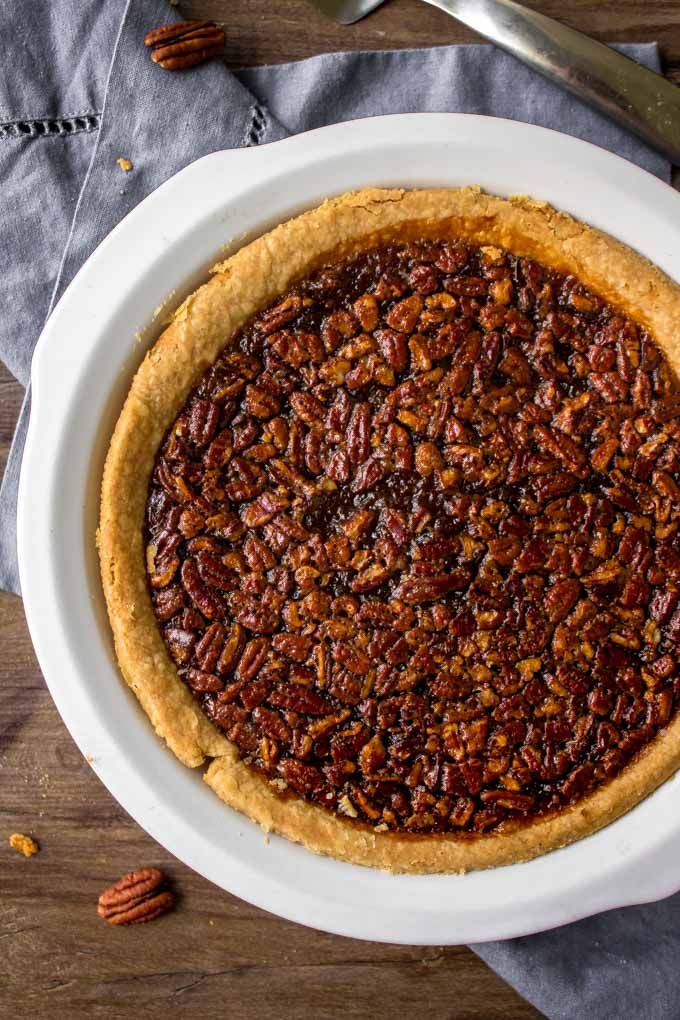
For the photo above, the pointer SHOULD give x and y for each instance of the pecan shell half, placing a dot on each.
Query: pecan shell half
(185, 44)
(137, 897)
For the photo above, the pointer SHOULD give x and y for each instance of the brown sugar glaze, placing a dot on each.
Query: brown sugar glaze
(412, 540)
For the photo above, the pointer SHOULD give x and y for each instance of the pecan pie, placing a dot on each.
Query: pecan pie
(389, 530)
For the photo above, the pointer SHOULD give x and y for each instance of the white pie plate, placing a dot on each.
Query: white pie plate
(82, 367)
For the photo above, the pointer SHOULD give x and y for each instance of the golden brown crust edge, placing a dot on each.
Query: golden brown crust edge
(202, 327)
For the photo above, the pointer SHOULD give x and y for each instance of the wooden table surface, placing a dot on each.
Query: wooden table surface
(215, 954)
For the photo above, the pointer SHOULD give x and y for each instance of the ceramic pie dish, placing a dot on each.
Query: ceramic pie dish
(490, 909)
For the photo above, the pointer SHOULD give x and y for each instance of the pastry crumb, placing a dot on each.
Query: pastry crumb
(346, 807)
(492, 253)
(23, 844)
(124, 164)
(151, 551)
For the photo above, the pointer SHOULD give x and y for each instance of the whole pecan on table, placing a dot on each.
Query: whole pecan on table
(137, 897)
(185, 44)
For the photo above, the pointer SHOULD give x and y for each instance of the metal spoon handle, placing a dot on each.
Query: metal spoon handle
(637, 98)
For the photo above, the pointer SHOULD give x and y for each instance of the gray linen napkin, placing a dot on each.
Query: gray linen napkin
(78, 93)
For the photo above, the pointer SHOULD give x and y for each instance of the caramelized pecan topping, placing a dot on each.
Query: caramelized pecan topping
(412, 542)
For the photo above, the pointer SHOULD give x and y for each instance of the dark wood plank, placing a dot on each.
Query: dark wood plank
(264, 31)
(215, 955)
(11, 396)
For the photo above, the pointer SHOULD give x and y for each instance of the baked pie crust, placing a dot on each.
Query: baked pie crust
(203, 326)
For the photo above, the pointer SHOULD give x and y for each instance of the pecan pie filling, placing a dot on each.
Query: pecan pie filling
(412, 540)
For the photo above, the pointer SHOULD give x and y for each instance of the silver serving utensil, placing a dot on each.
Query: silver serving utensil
(635, 97)
(346, 11)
